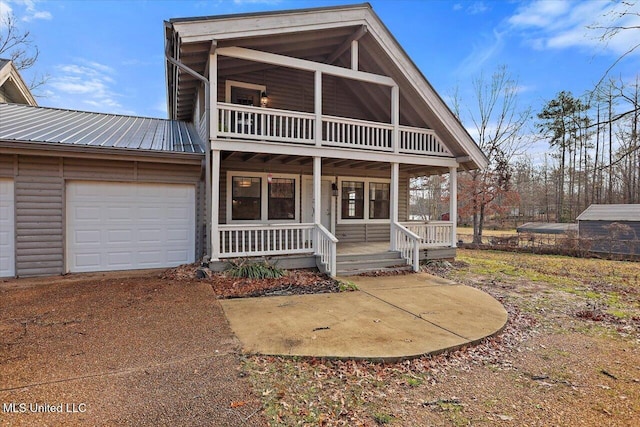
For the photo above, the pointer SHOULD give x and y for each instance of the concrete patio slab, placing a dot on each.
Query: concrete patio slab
(389, 318)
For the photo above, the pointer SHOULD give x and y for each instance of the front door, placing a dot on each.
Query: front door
(308, 205)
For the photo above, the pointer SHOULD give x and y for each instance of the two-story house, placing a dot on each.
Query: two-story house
(315, 120)
(292, 134)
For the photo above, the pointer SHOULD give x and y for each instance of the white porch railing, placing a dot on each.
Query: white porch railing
(407, 243)
(432, 233)
(326, 249)
(259, 240)
(352, 133)
(421, 141)
(265, 123)
(269, 124)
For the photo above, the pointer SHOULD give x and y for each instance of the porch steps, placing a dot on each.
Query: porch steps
(352, 264)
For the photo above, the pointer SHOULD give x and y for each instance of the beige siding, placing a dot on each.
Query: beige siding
(39, 197)
(349, 233)
(291, 89)
(8, 164)
(39, 193)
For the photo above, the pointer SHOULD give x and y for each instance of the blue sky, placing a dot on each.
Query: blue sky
(108, 55)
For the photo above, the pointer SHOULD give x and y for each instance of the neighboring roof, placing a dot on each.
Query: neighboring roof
(11, 83)
(320, 35)
(546, 228)
(27, 124)
(611, 213)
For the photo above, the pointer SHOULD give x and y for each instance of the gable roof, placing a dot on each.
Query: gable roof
(12, 84)
(619, 212)
(33, 126)
(320, 35)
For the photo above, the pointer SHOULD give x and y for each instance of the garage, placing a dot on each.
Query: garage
(126, 226)
(7, 228)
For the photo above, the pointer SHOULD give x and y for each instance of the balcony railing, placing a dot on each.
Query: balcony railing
(269, 124)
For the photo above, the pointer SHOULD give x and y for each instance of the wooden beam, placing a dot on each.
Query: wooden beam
(251, 156)
(357, 35)
(228, 155)
(302, 64)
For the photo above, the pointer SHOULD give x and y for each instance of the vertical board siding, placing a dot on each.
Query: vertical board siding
(39, 191)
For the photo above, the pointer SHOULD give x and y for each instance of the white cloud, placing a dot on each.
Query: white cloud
(484, 50)
(5, 9)
(86, 84)
(26, 10)
(570, 24)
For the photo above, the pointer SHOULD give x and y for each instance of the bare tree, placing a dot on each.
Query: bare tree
(18, 46)
(499, 125)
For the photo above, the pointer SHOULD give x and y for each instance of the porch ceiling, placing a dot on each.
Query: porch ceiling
(304, 164)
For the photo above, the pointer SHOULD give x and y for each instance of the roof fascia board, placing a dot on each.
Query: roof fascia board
(333, 152)
(233, 27)
(377, 29)
(10, 74)
(104, 153)
(303, 64)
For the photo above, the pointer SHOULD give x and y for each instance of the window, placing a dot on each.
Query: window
(378, 200)
(352, 200)
(282, 198)
(260, 197)
(245, 198)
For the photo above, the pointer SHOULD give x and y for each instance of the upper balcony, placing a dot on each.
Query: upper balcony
(275, 125)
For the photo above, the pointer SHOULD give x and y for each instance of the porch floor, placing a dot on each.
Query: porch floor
(388, 318)
(361, 248)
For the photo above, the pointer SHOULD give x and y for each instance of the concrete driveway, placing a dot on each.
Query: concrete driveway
(388, 318)
(111, 349)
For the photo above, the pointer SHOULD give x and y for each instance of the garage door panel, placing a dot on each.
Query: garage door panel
(135, 225)
(7, 228)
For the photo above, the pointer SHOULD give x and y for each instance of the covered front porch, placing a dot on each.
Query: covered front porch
(320, 209)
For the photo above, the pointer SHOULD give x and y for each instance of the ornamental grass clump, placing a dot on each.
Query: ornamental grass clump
(242, 268)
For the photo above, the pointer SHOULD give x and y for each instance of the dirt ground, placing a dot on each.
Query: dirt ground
(569, 356)
(119, 349)
(156, 350)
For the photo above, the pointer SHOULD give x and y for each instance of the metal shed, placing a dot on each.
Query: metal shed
(611, 228)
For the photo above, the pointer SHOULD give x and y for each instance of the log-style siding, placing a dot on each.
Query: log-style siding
(291, 89)
(40, 201)
(356, 232)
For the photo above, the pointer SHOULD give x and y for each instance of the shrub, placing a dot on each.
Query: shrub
(254, 270)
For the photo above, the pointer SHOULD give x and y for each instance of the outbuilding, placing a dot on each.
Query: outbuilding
(611, 228)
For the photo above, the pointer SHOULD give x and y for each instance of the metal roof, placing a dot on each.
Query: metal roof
(611, 213)
(546, 228)
(22, 123)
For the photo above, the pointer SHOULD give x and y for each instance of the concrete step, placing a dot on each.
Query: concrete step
(371, 270)
(368, 257)
(365, 263)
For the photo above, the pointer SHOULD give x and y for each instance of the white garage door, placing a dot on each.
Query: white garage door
(118, 226)
(7, 229)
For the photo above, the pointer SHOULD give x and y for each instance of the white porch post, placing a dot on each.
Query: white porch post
(317, 198)
(213, 96)
(453, 203)
(393, 206)
(215, 201)
(395, 118)
(317, 96)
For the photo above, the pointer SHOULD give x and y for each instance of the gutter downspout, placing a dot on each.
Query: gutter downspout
(207, 109)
